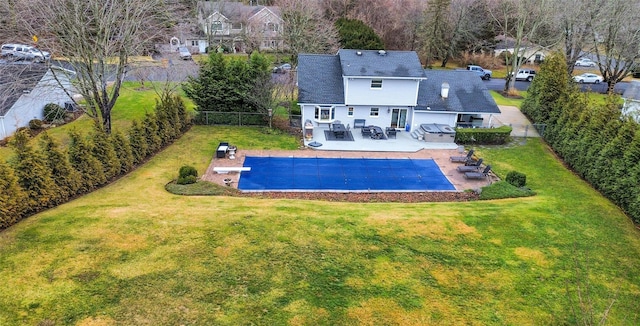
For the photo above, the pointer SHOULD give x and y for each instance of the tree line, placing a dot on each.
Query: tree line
(594, 139)
(47, 175)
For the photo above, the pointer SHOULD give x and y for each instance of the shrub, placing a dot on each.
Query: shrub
(35, 124)
(187, 180)
(516, 178)
(53, 112)
(485, 136)
(186, 171)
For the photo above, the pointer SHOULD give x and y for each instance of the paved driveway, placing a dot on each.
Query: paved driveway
(511, 116)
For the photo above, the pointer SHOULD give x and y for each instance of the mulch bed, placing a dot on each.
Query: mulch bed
(367, 197)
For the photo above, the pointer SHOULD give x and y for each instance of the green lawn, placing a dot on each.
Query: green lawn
(133, 254)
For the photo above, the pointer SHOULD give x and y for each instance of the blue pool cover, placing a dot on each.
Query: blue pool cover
(341, 174)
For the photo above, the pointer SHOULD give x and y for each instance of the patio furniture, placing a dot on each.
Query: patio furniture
(339, 130)
(366, 132)
(391, 132)
(473, 162)
(461, 159)
(359, 123)
(470, 168)
(221, 152)
(376, 132)
(478, 175)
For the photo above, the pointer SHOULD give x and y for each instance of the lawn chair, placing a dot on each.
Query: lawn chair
(366, 132)
(470, 167)
(478, 175)
(462, 159)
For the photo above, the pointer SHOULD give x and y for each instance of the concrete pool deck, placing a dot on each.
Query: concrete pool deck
(440, 156)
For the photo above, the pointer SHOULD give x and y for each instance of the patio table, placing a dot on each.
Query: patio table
(339, 130)
(376, 132)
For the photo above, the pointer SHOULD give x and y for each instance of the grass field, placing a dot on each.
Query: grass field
(133, 254)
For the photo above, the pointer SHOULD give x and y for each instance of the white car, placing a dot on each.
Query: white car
(584, 62)
(24, 52)
(588, 78)
(525, 74)
(184, 53)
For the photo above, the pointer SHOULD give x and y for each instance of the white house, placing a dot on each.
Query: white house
(389, 89)
(631, 98)
(237, 26)
(24, 91)
(532, 53)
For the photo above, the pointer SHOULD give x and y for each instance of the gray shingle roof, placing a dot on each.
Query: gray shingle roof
(467, 93)
(320, 79)
(633, 91)
(15, 80)
(379, 63)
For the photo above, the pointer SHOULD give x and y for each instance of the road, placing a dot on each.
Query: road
(498, 85)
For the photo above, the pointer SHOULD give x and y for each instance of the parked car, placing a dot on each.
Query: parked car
(635, 71)
(485, 74)
(281, 69)
(525, 74)
(588, 78)
(24, 52)
(584, 62)
(184, 53)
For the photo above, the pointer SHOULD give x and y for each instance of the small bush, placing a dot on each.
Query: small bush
(35, 124)
(187, 180)
(53, 112)
(186, 171)
(516, 178)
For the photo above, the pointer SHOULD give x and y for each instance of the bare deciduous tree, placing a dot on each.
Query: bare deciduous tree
(524, 22)
(616, 38)
(305, 29)
(97, 39)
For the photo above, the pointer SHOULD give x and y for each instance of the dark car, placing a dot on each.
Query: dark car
(635, 71)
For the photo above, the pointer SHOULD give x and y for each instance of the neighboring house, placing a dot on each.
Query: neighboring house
(24, 91)
(388, 89)
(532, 53)
(237, 26)
(631, 98)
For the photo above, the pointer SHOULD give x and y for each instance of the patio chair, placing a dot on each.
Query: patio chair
(391, 132)
(478, 175)
(359, 123)
(473, 162)
(366, 132)
(462, 159)
(470, 168)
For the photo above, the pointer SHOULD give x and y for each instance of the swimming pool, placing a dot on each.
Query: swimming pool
(342, 174)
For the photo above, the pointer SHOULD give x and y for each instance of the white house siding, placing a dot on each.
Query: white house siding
(31, 105)
(395, 92)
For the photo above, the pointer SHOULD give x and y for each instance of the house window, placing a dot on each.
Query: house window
(324, 113)
(376, 83)
(374, 112)
(236, 26)
(194, 42)
(350, 112)
(271, 27)
(216, 26)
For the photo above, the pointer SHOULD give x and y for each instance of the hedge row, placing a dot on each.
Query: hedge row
(485, 136)
(39, 178)
(594, 139)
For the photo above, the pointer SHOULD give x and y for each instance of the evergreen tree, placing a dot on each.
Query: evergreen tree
(102, 149)
(548, 91)
(12, 197)
(33, 174)
(123, 150)
(151, 131)
(166, 130)
(233, 85)
(82, 159)
(138, 141)
(354, 34)
(183, 116)
(65, 176)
